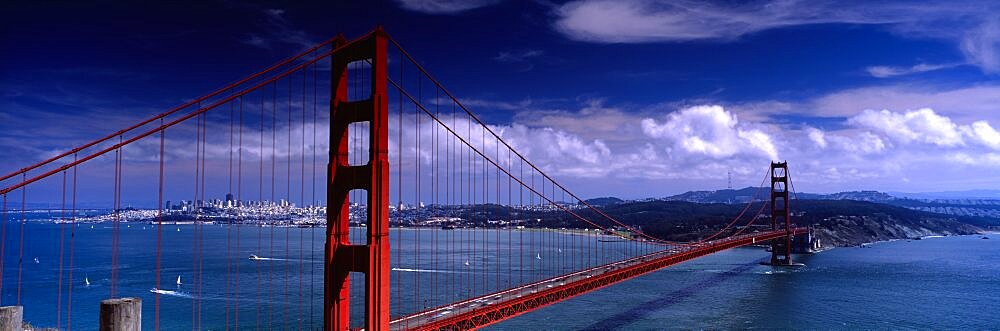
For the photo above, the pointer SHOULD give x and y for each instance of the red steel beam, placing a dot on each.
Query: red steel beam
(494, 312)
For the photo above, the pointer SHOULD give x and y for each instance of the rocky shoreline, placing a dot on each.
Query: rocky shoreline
(857, 230)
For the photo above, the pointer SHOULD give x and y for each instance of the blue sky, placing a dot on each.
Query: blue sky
(894, 95)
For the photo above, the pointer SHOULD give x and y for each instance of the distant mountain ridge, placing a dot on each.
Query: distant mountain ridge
(976, 211)
(747, 193)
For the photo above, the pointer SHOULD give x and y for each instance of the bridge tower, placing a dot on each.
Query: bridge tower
(781, 248)
(343, 256)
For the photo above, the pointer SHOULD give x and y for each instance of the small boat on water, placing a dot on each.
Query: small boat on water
(36, 260)
(156, 290)
(86, 281)
(466, 262)
(985, 237)
(538, 256)
(178, 280)
(255, 257)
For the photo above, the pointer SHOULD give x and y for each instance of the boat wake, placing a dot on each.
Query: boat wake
(258, 258)
(171, 293)
(426, 270)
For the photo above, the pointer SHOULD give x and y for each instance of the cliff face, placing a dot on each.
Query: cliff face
(849, 223)
(854, 230)
(836, 222)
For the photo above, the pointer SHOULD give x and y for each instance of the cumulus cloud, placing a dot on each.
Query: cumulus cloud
(444, 7)
(923, 125)
(711, 131)
(972, 25)
(985, 134)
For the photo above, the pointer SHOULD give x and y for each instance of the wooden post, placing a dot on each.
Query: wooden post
(10, 317)
(122, 314)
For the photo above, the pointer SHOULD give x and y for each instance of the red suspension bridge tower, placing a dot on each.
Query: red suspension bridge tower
(781, 248)
(343, 256)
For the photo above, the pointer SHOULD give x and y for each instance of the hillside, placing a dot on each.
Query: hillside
(837, 222)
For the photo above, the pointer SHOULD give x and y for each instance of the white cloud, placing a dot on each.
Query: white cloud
(986, 159)
(890, 71)
(972, 26)
(518, 56)
(982, 132)
(857, 142)
(817, 136)
(440, 7)
(923, 125)
(709, 130)
(963, 103)
(981, 45)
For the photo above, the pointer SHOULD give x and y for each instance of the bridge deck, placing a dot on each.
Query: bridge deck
(495, 307)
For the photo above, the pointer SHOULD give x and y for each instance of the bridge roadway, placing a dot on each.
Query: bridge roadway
(488, 309)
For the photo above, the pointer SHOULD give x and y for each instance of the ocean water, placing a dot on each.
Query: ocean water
(936, 283)
(939, 283)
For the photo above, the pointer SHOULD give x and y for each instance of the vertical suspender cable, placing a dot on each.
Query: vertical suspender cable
(72, 239)
(62, 237)
(159, 231)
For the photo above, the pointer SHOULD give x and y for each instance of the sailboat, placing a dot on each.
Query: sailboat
(538, 256)
(86, 280)
(178, 280)
(36, 260)
(466, 262)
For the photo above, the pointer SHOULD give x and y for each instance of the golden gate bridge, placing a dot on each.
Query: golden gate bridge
(347, 127)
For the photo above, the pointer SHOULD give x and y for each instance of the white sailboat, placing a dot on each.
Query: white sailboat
(466, 262)
(538, 256)
(86, 280)
(178, 280)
